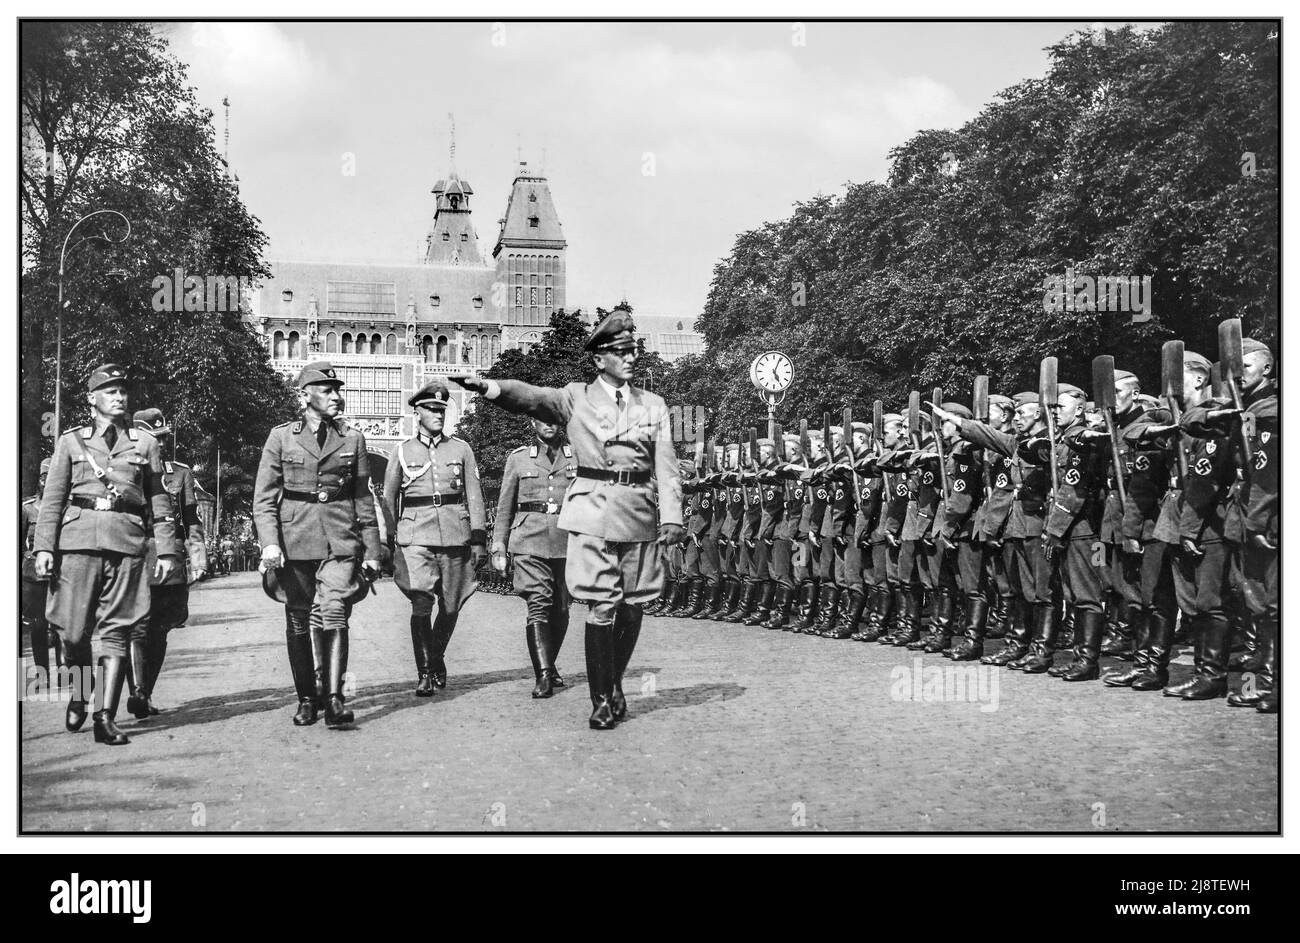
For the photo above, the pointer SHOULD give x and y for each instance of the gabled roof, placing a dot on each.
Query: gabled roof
(530, 200)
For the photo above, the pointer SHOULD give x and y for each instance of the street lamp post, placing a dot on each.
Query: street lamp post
(58, 340)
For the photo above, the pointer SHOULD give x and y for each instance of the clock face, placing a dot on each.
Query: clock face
(772, 371)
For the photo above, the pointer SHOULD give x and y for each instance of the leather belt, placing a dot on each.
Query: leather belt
(546, 507)
(622, 476)
(105, 503)
(432, 500)
(314, 497)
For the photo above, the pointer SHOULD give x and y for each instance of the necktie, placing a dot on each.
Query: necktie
(110, 436)
(322, 433)
(618, 399)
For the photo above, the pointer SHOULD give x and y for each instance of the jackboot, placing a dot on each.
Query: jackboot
(320, 658)
(748, 601)
(1088, 626)
(999, 613)
(879, 620)
(1160, 646)
(444, 624)
(971, 646)
(155, 653)
(1272, 698)
(1016, 640)
(830, 610)
(847, 625)
(1251, 656)
(557, 629)
(678, 599)
(600, 675)
(114, 675)
(742, 594)
(664, 600)
(627, 629)
(78, 657)
(714, 599)
(909, 624)
(942, 614)
(781, 606)
(807, 611)
(137, 701)
(763, 607)
(694, 600)
(422, 646)
(1210, 679)
(1043, 647)
(38, 630)
(297, 637)
(539, 653)
(1065, 634)
(1140, 620)
(336, 645)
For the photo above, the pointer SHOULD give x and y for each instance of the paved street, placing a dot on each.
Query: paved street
(731, 728)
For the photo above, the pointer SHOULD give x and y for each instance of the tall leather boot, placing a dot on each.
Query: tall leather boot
(943, 611)
(113, 668)
(1042, 649)
(830, 610)
(1069, 631)
(763, 607)
(78, 658)
(336, 646)
(422, 646)
(879, 622)
(600, 675)
(1118, 637)
(557, 629)
(898, 615)
(1251, 656)
(38, 630)
(1271, 699)
(749, 595)
(444, 624)
(909, 625)
(678, 600)
(320, 658)
(1089, 627)
(971, 645)
(539, 653)
(1159, 647)
(695, 601)
(1140, 620)
(664, 599)
(137, 703)
(155, 653)
(999, 613)
(807, 612)
(1016, 640)
(868, 614)
(627, 629)
(1211, 675)
(854, 603)
(730, 598)
(297, 638)
(713, 599)
(1065, 634)
(781, 607)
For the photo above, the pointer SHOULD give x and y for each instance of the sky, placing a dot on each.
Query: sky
(661, 141)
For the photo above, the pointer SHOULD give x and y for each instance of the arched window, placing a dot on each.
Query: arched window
(279, 348)
(376, 344)
(390, 346)
(331, 343)
(346, 347)
(496, 348)
(483, 343)
(471, 349)
(295, 346)
(426, 348)
(442, 348)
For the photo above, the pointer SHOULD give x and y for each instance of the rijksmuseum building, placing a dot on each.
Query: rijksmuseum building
(388, 329)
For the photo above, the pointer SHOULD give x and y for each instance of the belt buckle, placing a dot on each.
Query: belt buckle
(437, 500)
(103, 503)
(322, 496)
(551, 507)
(623, 476)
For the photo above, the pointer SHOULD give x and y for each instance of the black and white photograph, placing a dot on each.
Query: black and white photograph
(555, 427)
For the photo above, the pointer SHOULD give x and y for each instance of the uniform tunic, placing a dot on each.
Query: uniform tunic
(527, 525)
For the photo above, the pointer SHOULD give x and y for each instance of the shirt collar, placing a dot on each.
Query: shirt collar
(611, 389)
(428, 439)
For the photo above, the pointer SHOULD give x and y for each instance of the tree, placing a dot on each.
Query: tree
(108, 122)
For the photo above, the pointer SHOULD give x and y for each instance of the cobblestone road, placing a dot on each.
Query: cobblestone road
(731, 728)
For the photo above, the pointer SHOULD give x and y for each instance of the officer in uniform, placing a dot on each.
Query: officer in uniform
(169, 606)
(432, 490)
(533, 484)
(886, 593)
(104, 488)
(34, 590)
(622, 438)
(315, 520)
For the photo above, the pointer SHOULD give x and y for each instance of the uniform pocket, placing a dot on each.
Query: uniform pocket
(71, 514)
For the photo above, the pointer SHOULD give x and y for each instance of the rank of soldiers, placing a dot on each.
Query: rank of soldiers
(1120, 524)
(1104, 522)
